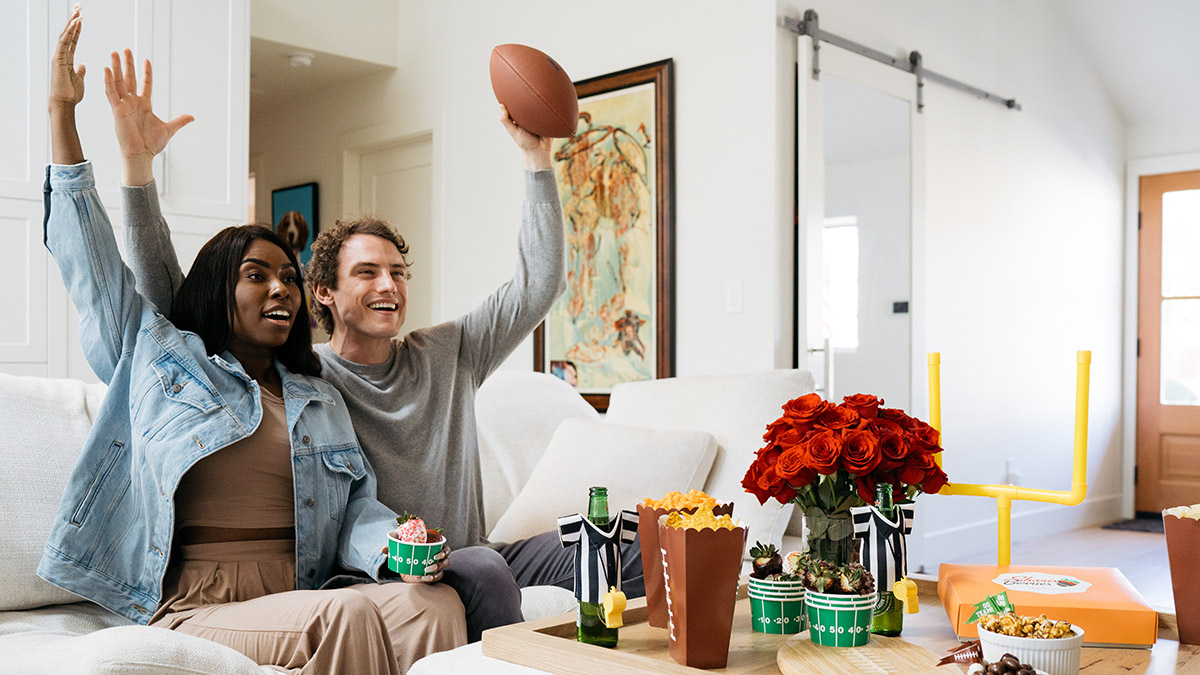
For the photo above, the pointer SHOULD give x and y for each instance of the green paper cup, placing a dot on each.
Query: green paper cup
(413, 559)
(775, 586)
(777, 613)
(839, 620)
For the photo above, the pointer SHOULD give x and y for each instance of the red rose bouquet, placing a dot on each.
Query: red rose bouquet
(829, 458)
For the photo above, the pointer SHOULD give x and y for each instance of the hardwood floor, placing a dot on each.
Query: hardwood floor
(1141, 557)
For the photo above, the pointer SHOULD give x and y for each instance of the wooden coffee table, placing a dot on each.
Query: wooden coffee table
(549, 645)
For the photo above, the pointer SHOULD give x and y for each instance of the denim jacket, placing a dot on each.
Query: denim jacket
(168, 406)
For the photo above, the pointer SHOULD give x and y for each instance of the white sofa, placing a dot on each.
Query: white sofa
(535, 431)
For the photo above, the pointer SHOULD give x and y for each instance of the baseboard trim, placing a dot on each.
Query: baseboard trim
(964, 540)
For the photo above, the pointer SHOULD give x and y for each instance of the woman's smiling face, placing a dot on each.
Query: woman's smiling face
(267, 297)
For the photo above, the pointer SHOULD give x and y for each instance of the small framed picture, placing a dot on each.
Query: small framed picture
(294, 217)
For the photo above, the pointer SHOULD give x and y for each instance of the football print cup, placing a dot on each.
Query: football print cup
(413, 558)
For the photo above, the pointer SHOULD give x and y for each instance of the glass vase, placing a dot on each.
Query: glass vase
(830, 536)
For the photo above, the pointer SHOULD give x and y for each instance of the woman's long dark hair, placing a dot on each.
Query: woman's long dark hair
(205, 302)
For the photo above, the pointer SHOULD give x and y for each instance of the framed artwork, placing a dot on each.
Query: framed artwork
(616, 180)
(294, 217)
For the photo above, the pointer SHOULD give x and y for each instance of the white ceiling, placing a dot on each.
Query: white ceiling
(1146, 52)
(272, 77)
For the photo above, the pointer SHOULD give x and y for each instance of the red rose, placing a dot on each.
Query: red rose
(837, 417)
(860, 452)
(750, 482)
(917, 466)
(924, 437)
(785, 494)
(896, 415)
(866, 405)
(934, 481)
(805, 409)
(824, 449)
(790, 462)
(865, 486)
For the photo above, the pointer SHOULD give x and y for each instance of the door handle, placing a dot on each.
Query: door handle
(827, 384)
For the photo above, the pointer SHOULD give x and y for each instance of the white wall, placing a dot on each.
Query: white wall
(1023, 253)
(727, 225)
(1024, 208)
(200, 176)
(1162, 139)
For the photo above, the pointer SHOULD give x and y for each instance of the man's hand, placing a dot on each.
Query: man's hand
(536, 148)
(140, 133)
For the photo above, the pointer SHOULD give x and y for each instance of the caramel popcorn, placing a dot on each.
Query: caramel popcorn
(1192, 512)
(1025, 626)
(679, 500)
(702, 518)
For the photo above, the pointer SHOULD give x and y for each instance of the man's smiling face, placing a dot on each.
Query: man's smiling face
(371, 297)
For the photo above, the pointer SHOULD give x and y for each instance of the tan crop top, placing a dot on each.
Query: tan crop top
(245, 485)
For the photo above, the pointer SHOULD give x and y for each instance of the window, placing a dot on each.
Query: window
(839, 246)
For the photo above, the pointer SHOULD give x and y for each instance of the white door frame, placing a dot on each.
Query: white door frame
(355, 144)
(1134, 170)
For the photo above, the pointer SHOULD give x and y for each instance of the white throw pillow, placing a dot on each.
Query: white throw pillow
(45, 423)
(516, 414)
(736, 410)
(633, 463)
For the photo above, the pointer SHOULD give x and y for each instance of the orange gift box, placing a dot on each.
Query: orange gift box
(1100, 600)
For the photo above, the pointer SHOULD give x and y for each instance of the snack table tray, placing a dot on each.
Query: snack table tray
(549, 645)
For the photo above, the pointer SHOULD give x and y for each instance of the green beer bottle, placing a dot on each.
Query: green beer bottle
(589, 622)
(888, 616)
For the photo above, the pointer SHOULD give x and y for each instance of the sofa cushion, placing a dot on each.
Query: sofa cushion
(516, 414)
(632, 462)
(131, 650)
(735, 409)
(45, 423)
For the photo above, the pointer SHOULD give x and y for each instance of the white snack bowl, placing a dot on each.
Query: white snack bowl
(1056, 656)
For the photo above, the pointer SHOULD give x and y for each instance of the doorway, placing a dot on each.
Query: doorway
(394, 180)
(859, 233)
(1168, 353)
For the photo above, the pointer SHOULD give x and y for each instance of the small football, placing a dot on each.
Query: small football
(536, 90)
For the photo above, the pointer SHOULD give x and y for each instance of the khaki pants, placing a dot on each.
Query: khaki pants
(239, 594)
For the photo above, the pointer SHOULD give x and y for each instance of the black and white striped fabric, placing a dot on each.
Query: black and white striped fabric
(882, 549)
(597, 552)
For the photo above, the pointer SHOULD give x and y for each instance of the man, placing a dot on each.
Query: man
(412, 399)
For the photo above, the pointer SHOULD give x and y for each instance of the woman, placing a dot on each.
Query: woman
(222, 482)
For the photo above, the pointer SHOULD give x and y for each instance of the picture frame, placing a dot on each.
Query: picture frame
(299, 231)
(615, 323)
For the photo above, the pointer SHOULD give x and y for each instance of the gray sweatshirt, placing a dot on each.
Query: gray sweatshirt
(415, 413)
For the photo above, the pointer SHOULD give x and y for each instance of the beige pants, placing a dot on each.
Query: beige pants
(240, 595)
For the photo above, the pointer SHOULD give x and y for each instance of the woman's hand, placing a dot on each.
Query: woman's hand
(443, 561)
(66, 91)
(66, 80)
(140, 133)
(536, 148)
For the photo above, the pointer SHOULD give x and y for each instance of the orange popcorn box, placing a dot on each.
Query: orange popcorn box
(652, 565)
(700, 573)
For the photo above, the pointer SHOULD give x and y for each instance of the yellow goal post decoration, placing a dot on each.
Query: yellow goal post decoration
(1005, 494)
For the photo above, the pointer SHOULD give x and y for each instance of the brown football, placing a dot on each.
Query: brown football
(536, 90)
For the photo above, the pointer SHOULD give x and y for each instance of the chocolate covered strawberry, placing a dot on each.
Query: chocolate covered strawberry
(412, 529)
(766, 560)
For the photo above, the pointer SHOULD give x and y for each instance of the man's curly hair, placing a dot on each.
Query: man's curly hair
(323, 266)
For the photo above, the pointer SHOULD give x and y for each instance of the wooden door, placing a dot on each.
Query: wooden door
(396, 183)
(1168, 389)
